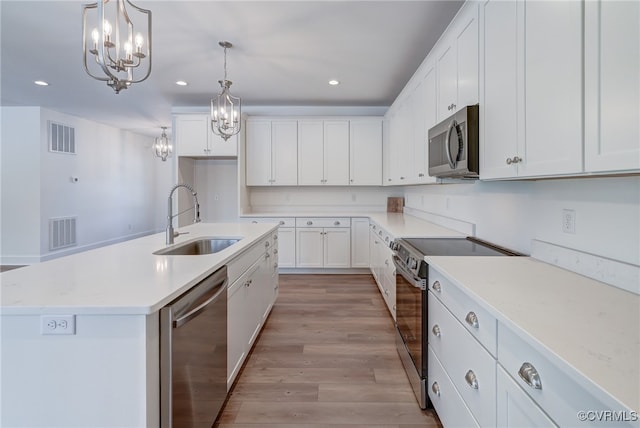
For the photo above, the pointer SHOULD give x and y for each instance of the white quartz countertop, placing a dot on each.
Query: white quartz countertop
(124, 278)
(399, 225)
(585, 325)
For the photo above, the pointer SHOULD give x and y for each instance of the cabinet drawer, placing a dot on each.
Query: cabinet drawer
(241, 263)
(479, 322)
(445, 399)
(282, 221)
(560, 394)
(323, 222)
(471, 368)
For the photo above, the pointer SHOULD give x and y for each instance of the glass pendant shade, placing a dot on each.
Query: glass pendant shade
(116, 50)
(162, 147)
(225, 108)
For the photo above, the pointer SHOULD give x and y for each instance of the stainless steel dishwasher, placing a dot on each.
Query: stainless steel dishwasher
(193, 355)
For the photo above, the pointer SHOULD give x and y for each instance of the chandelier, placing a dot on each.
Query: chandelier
(162, 147)
(225, 108)
(120, 53)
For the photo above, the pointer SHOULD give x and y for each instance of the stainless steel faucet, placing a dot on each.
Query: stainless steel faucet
(196, 213)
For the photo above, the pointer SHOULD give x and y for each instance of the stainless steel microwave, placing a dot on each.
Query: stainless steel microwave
(453, 145)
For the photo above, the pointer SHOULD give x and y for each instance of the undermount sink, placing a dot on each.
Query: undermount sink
(198, 247)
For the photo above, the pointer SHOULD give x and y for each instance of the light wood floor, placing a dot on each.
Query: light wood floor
(326, 358)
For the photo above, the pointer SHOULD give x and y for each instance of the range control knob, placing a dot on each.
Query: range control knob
(413, 263)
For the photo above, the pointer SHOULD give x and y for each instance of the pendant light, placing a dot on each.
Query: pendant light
(162, 147)
(225, 108)
(114, 50)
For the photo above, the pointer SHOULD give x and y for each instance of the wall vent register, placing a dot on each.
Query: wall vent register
(62, 232)
(62, 138)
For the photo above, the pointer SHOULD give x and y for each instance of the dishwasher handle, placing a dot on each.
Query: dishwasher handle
(215, 293)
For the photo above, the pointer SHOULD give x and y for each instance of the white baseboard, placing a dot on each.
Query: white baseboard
(613, 272)
(323, 271)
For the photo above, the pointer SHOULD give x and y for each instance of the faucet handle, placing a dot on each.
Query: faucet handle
(176, 234)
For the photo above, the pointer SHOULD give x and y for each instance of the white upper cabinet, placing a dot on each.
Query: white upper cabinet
(194, 138)
(530, 106)
(612, 86)
(456, 57)
(271, 152)
(323, 152)
(424, 117)
(365, 152)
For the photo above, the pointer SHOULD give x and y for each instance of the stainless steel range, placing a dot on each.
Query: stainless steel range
(411, 297)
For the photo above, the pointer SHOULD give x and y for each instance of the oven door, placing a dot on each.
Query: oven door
(411, 307)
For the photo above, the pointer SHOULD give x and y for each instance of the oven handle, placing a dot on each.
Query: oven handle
(411, 279)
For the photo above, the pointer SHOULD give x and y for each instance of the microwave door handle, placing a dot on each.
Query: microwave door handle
(452, 163)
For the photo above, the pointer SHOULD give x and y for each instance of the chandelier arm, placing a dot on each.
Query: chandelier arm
(101, 46)
(149, 44)
(84, 43)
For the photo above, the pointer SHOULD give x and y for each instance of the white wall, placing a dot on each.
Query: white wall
(512, 214)
(117, 196)
(319, 199)
(20, 182)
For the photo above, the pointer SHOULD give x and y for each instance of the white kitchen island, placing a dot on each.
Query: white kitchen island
(106, 374)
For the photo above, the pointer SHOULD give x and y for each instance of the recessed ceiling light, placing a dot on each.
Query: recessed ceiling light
(41, 83)
(334, 82)
(181, 83)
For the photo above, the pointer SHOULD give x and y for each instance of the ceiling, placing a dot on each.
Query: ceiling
(284, 53)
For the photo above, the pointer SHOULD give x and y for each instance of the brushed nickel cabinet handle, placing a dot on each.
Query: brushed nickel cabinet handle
(309, 223)
(436, 330)
(336, 223)
(436, 286)
(472, 319)
(471, 379)
(530, 375)
(436, 388)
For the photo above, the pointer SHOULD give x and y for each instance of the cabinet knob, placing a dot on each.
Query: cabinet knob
(336, 223)
(266, 244)
(254, 222)
(472, 319)
(388, 179)
(309, 223)
(471, 379)
(435, 388)
(421, 175)
(530, 375)
(515, 159)
(436, 286)
(401, 178)
(275, 251)
(386, 292)
(275, 265)
(275, 237)
(436, 330)
(351, 180)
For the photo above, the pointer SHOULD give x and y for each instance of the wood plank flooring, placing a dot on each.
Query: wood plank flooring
(326, 358)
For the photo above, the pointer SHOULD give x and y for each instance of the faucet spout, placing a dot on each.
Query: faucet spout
(170, 233)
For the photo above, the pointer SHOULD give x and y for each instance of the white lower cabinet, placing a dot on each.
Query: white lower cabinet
(323, 242)
(287, 247)
(515, 407)
(382, 267)
(249, 300)
(449, 405)
(360, 242)
(470, 367)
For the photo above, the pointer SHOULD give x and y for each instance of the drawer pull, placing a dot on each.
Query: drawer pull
(336, 223)
(275, 251)
(436, 388)
(281, 222)
(530, 375)
(436, 286)
(386, 292)
(309, 223)
(254, 222)
(266, 244)
(436, 330)
(472, 319)
(471, 379)
(275, 237)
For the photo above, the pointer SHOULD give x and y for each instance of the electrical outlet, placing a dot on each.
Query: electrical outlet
(568, 221)
(57, 324)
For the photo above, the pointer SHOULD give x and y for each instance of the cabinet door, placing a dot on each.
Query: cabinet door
(553, 94)
(360, 242)
(219, 147)
(255, 300)
(498, 94)
(337, 247)
(446, 63)
(404, 142)
(310, 153)
(391, 149)
(191, 134)
(336, 152)
(467, 48)
(612, 86)
(236, 336)
(515, 408)
(258, 153)
(309, 248)
(284, 142)
(287, 247)
(365, 145)
(430, 119)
